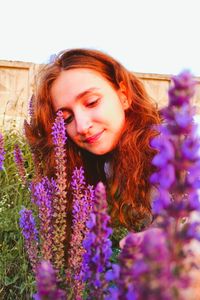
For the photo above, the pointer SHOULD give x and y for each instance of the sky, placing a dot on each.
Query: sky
(147, 36)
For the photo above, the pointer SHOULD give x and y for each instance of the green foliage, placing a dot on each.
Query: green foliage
(16, 279)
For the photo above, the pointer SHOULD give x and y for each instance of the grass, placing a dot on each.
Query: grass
(16, 280)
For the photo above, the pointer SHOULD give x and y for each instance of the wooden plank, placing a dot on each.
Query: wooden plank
(17, 81)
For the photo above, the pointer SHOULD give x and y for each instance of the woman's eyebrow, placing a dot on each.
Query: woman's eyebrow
(79, 96)
(85, 93)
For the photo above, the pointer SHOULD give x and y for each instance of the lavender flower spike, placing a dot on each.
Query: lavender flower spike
(58, 131)
(29, 231)
(31, 108)
(98, 246)
(177, 159)
(60, 203)
(46, 283)
(82, 197)
(178, 178)
(18, 158)
(2, 152)
(43, 195)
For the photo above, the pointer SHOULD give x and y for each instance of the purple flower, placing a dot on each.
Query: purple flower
(44, 192)
(27, 224)
(97, 246)
(58, 130)
(30, 233)
(19, 161)
(60, 201)
(179, 120)
(193, 178)
(31, 108)
(166, 151)
(190, 149)
(178, 149)
(144, 267)
(177, 178)
(2, 152)
(165, 176)
(83, 197)
(47, 286)
(190, 231)
(162, 201)
(182, 90)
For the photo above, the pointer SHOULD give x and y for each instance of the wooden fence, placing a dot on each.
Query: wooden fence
(17, 83)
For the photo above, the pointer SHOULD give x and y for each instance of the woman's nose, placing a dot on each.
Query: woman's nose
(83, 123)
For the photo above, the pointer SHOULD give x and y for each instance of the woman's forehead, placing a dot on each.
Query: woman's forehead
(76, 81)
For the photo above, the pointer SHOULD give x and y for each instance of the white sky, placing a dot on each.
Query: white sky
(149, 36)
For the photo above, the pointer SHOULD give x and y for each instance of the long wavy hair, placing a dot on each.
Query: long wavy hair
(128, 190)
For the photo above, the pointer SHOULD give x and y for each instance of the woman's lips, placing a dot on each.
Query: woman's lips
(93, 138)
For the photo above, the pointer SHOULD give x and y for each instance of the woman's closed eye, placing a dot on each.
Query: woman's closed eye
(68, 120)
(93, 102)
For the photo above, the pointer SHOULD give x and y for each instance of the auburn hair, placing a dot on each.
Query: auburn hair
(128, 190)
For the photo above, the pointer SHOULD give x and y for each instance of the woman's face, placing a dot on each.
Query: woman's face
(93, 110)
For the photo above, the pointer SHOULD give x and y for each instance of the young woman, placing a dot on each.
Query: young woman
(109, 123)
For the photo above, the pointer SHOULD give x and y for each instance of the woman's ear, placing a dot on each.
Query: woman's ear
(124, 102)
(123, 95)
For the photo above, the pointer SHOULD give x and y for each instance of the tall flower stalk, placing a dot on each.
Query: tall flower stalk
(44, 192)
(178, 159)
(60, 201)
(30, 233)
(178, 175)
(2, 152)
(97, 244)
(19, 161)
(83, 197)
(35, 151)
(31, 108)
